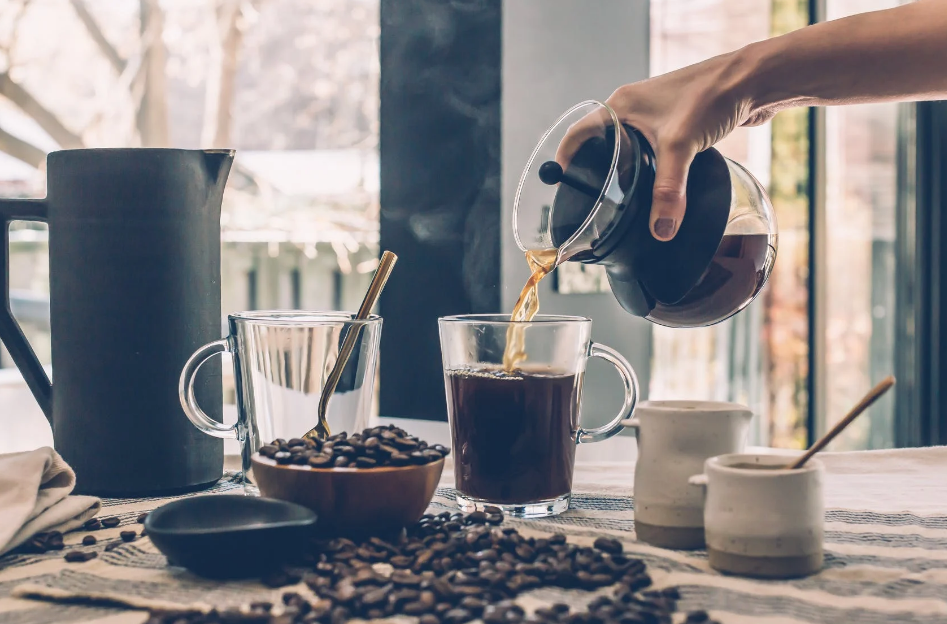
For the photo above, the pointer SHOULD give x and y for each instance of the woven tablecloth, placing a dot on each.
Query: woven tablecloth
(886, 555)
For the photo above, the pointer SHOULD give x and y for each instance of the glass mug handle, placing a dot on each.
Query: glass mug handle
(628, 377)
(186, 391)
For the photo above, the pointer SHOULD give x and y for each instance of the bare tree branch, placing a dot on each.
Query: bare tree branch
(10, 45)
(21, 150)
(91, 25)
(152, 116)
(221, 79)
(46, 119)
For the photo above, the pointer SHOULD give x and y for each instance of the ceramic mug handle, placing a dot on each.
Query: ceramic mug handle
(699, 480)
(630, 380)
(186, 391)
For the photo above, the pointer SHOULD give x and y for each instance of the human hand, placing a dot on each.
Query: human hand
(680, 114)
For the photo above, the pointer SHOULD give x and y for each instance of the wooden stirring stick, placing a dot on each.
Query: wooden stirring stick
(385, 266)
(873, 395)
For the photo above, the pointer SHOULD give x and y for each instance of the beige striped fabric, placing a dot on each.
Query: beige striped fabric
(886, 555)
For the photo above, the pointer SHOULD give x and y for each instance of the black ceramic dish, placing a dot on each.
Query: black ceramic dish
(229, 536)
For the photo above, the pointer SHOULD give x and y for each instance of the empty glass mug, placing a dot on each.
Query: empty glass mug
(514, 432)
(281, 362)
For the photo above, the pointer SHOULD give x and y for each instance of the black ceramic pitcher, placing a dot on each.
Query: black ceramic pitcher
(134, 263)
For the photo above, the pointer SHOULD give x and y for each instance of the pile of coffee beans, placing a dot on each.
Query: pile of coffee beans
(372, 448)
(451, 569)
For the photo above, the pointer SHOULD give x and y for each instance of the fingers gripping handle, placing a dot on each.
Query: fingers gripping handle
(10, 333)
(630, 380)
(186, 391)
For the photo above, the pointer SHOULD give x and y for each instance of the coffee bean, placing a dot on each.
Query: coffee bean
(697, 617)
(92, 524)
(377, 596)
(89, 540)
(111, 523)
(608, 545)
(128, 536)
(418, 458)
(365, 462)
(429, 618)
(457, 616)
(399, 459)
(341, 461)
(320, 461)
(112, 546)
(405, 444)
(477, 517)
(79, 556)
(283, 457)
(269, 450)
(141, 517)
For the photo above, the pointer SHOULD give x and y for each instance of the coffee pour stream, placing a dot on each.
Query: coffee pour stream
(594, 208)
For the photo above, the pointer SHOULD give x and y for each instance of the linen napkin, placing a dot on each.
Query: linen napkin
(35, 496)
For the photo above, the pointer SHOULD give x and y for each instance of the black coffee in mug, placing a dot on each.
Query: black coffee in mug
(514, 433)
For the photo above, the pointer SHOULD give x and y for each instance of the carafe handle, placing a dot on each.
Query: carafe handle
(192, 410)
(630, 380)
(10, 332)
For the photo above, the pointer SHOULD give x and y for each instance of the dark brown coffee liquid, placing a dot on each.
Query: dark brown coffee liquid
(513, 433)
(735, 274)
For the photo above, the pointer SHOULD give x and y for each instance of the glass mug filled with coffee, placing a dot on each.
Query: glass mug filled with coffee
(514, 396)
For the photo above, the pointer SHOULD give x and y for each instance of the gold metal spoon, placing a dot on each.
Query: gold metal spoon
(385, 265)
(873, 395)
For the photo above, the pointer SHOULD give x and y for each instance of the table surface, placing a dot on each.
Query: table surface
(886, 550)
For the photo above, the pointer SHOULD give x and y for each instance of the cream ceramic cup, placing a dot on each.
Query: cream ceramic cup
(762, 519)
(674, 440)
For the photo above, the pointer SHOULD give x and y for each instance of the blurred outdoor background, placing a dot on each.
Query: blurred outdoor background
(293, 86)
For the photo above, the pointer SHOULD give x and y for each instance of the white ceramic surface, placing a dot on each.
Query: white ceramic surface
(763, 522)
(674, 440)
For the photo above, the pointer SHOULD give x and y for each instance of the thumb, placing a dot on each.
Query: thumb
(668, 199)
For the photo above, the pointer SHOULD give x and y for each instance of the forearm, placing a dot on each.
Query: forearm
(897, 54)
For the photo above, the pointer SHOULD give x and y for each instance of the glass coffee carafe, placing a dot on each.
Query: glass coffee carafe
(586, 192)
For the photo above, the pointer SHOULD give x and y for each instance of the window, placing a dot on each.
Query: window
(291, 84)
(763, 356)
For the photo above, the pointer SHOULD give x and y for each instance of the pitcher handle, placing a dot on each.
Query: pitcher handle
(10, 332)
(630, 380)
(192, 410)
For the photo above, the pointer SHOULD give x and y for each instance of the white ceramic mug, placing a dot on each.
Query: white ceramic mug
(766, 521)
(674, 440)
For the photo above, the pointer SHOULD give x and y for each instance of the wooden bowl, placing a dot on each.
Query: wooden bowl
(352, 501)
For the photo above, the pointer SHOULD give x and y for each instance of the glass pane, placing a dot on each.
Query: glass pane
(759, 357)
(291, 84)
(860, 217)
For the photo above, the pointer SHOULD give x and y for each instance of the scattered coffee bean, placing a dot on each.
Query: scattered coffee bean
(611, 546)
(450, 568)
(89, 540)
(78, 556)
(92, 524)
(372, 448)
(112, 522)
(141, 517)
(112, 546)
(128, 536)
(44, 542)
(697, 617)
